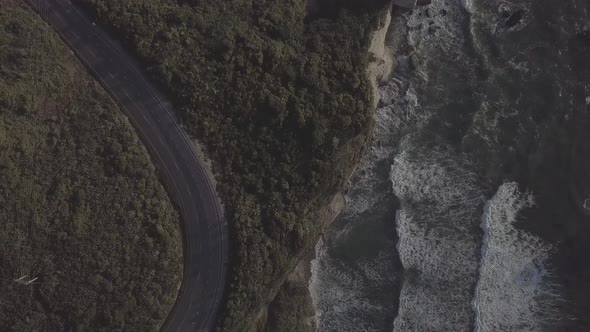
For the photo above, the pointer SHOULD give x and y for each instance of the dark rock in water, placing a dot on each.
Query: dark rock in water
(584, 35)
(443, 12)
(515, 18)
(504, 11)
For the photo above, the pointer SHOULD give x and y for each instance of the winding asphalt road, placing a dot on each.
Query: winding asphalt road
(204, 227)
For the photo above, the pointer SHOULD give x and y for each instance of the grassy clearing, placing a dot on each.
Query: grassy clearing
(81, 207)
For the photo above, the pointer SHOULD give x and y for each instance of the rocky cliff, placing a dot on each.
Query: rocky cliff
(381, 55)
(294, 298)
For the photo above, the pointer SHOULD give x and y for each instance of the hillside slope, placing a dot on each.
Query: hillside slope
(82, 213)
(282, 103)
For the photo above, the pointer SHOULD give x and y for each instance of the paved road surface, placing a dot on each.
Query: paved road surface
(204, 228)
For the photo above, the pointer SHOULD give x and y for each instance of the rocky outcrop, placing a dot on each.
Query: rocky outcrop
(302, 273)
(382, 60)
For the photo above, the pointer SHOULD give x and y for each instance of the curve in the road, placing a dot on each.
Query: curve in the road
(204, 227)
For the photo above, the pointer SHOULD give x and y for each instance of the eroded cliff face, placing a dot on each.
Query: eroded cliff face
(381, 66)
(295, 287)
(382, 61)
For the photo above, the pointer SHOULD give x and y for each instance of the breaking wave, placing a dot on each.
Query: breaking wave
(451, 127)
(356, 272)
(438, 240)
(346, 296)
(514, 291)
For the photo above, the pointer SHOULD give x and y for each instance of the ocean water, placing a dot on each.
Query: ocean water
(514, 290)
(443, 230)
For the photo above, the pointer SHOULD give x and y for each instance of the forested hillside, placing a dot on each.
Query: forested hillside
(282, 103)
(89, 239)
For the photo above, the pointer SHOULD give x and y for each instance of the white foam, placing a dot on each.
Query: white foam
(341, 293)
(467, 4)
(441, 199)
(344, 294)
(441, 202)
(438, 239)
(513, 292)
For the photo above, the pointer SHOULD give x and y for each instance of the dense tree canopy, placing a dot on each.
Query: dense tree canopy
(282, 103)
(88, 237)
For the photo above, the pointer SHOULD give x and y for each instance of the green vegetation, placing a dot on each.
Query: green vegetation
(282, 103)
(81, 208)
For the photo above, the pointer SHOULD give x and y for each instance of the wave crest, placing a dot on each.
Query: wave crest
(438, 240)
(514, 291)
